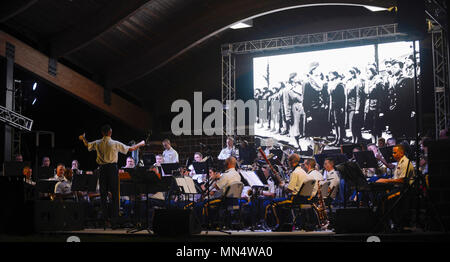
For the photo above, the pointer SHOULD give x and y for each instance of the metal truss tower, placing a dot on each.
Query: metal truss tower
(440, 76)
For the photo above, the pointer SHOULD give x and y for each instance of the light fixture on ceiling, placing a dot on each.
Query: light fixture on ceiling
(245, 24)
(375, 8)
(35, 86)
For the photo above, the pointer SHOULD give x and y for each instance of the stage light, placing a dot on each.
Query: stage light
(245, 24)
(375, 8)
(35, 86)
(34, 102)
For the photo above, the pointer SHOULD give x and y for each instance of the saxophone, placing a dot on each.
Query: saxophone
(321, 210)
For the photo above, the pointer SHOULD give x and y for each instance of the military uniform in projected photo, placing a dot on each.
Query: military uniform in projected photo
(401, 114)
(347, 95)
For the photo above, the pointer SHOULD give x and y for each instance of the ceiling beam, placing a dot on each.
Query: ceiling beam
(76, 84)
(182, 38)
(9, 9)
(82, 34)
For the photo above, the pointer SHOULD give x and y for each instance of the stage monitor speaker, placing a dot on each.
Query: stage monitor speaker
(354, 220)
(57, 216)
(411, 18)
(175, 222)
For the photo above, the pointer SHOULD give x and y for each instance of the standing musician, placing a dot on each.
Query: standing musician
(169, 154)
(107, 156)
(229, 151)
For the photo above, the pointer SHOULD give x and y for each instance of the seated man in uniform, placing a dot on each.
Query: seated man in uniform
(63, 187)
(404, 174)
(221, 184)
(297, 178)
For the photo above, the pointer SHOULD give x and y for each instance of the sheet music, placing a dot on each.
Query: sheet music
(182, 183)
(191, 186)
(158, 196)
(252, 178)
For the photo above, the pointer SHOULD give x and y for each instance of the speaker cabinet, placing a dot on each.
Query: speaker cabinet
(57, 216)
(175, 222)
(354, 220)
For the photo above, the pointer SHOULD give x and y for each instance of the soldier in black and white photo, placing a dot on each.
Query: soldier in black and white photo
(355, 94)
(293, 106)
(401, 112)
(373, 90)
(337, 105)
(312, 100)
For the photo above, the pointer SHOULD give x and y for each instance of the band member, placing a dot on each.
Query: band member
(310, 167)
(230, 175)
(169, 154)
(63, 187)
(337, 185)
(337, 105)
(373, 91)
(247, 153)
(381, 142)
(18, 158)
(46, 161)
(59, 176)
(404, 174)
(130, 163)
(107, 156)
(229, 151)
(404, 170)
(198, 157)
(391, 142)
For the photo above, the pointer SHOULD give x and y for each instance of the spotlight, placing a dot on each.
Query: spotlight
(35, 86)
(34, 101)
(375, 8)
(245, 24)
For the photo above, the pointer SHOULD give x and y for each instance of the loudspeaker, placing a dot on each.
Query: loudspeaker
(57, 216)
(175, 222)
(411, 18)
(354, 220)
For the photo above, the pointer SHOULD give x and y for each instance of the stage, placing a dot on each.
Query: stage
(246, 236)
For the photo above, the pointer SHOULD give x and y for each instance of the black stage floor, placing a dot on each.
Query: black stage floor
(121, 235)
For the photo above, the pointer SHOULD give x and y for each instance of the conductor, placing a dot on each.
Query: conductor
(107, 155)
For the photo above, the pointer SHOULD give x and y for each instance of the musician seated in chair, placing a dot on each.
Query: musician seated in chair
(226, 179)
(63, 187)
(403, 175)
(297, 178)
(403, 170)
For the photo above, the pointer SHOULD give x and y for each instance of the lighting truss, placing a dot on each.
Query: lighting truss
(15, 120)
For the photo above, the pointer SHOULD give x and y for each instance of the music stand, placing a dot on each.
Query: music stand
(45, 172)
(277, 152)
(148, 159)
(170, 168)
(353, 175)
(338, 159)
(14, 168)
(347, 149)
(144, 182)
(386, 152)
(366, 159)
(46, 186)
(201, 167)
